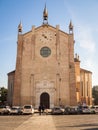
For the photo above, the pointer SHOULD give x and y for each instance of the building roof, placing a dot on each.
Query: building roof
(84, 70)
(12, 72)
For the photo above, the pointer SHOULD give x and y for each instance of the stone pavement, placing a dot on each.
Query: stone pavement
(60, 122)
(36, 122)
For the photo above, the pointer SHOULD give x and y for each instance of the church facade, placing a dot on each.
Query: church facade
(46, 70)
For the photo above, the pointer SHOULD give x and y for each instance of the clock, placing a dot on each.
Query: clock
(46, 37)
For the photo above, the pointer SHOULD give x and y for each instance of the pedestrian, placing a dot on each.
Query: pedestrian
(43, 108)
(40, 109)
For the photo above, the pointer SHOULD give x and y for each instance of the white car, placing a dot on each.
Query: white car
(4, 109)
(15, 110)
(28, 109)
(94, 108)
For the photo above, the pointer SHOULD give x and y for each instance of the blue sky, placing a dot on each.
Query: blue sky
(84, 16)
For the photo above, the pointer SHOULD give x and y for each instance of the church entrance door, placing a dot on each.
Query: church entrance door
(45, 100)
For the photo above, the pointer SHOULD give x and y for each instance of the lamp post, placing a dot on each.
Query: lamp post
(0, 95)
(59, 92)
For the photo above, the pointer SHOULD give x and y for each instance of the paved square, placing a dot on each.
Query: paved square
(49, 122)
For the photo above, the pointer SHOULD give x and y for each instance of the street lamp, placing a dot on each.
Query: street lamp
(0, 92)
(59, 91)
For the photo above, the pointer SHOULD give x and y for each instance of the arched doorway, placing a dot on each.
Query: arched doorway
(45, 100)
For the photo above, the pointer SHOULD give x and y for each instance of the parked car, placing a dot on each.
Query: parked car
(57, 110)
(94, 109)
(28, 109)
(66, 110)
(5, 110)
(71, 110)
(84, 110)
(15, 110)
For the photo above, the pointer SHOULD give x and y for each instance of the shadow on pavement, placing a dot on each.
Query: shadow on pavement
(86, 125)
(91, 129)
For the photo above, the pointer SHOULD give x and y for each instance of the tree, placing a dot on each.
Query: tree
(3, 95)
(95, 94)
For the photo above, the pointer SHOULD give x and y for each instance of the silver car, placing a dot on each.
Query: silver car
(84, 110)
(15, 110)
(57, 110)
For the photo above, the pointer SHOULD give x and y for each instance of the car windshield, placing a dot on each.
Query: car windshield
(57, 108)
(72, 108)
(14, 108)
(2, 106)
(27, 107)
(92, 107)
(85, 107)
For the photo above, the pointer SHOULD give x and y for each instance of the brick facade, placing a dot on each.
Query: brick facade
(45, 65)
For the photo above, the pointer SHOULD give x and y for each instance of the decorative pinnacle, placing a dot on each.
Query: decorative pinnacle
(45, 15)
(20, 27)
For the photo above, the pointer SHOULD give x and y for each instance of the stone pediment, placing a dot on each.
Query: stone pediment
(45, 27)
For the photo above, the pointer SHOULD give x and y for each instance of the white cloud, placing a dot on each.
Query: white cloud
(85, 38)
(85, 31)
(87, 48)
